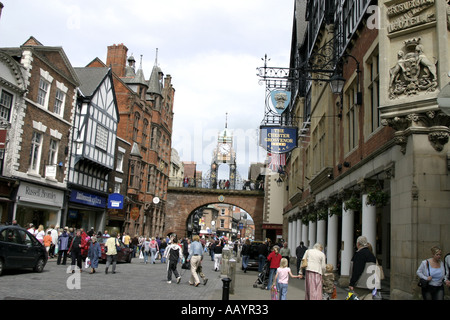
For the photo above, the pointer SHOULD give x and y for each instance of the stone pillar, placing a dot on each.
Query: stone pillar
(333, 241)
(347, 243)
(305, 234)
(290, 233)
(312, 229)
(321, 232)
(299, 234)
(369, 222)
(293, 245)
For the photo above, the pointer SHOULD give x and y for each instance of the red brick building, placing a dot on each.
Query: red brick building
(146, 118)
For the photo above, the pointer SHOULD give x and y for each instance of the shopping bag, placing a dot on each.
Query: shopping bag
(87, 263)
(334, 294)
(274, 293)
(141, 255)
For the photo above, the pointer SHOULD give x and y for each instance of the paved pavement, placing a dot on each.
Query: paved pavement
(133, 281)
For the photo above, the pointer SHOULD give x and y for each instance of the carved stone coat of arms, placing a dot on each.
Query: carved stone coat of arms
(414, 71)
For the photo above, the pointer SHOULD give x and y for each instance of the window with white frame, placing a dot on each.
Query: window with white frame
(59, 102)
(44, 88)
(351, 112)
(119, 162)
(35, 152)
(6, 100)
(53, 152)
(101, 137)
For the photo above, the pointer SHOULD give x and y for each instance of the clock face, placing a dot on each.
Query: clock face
(224, 148)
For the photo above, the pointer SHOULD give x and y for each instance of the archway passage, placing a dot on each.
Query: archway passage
(181, 202)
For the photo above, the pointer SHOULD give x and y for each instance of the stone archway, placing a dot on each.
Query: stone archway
(181, 202)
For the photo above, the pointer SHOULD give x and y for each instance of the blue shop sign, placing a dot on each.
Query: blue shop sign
(115, 201)
(88, 199)
(278, 139)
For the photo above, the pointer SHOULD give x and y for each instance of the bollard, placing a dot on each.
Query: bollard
(226, 289)
(232, 274)
(226, 255)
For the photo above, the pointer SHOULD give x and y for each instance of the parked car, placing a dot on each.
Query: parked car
(20, 249)
(124, 255)
(253, 259)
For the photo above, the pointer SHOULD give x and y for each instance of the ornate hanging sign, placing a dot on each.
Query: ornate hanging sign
(277, 139)
(280, 100)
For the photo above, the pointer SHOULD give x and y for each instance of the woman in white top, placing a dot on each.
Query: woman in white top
(40, 233)
(316, 267)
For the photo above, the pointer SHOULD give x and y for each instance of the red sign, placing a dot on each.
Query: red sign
(3, 138)
(134, 213)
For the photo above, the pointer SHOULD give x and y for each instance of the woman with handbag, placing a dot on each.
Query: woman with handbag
(315, 268)
(361, 270)
(431, 273)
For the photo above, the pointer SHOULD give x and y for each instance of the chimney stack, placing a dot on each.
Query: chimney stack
(117, 59)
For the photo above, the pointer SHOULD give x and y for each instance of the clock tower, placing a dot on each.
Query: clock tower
(224, 154)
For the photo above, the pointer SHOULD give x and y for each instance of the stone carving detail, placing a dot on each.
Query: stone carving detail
(437, 123)
(438, 139)
(414, 71)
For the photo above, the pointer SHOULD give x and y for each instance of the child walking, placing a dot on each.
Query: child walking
(172, 254)
(282, 275)
(328, 282)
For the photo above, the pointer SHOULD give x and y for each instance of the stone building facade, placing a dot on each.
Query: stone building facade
(373, 160)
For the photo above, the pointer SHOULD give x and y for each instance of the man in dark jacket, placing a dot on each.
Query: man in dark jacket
(263, 251)
(299, 253)
(64, 241)
(360, 281)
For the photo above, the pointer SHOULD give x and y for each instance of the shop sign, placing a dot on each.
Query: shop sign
(87, 199)
(134, 213)
(38, 194)
(115, 201)
(278, 139)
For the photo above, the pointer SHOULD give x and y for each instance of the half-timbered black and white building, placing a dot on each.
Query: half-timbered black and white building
(93, 148)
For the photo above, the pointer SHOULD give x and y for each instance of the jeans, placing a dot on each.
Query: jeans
(282, 290)
(153, 252)
(161, 251)
(245, 262)
(271, 273)
(433, 293)
(261, 262)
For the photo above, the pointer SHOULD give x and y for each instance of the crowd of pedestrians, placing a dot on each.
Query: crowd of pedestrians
(311, 265)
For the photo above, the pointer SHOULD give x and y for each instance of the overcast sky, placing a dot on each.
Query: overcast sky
(210, 48)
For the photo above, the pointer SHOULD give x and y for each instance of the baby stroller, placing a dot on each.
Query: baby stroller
(263, 276)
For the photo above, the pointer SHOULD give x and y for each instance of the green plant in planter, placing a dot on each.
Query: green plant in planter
(335, 209)
(312, 217)
(353, 203)
(377, 198)
(305, 220)
(322, 214)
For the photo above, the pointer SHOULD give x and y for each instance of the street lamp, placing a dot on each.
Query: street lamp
(337, 83)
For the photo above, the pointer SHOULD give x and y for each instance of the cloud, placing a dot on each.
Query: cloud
(210, 48)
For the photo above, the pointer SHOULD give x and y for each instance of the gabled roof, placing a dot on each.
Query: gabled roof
(90, 79)
(41, 51)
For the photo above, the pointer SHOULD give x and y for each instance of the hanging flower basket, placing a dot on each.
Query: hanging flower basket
(377, 198)
(335, 209)
(305, 220)
(322, 214)
(353, 203)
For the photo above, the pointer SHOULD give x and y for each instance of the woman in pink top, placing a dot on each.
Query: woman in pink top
(283, 273)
